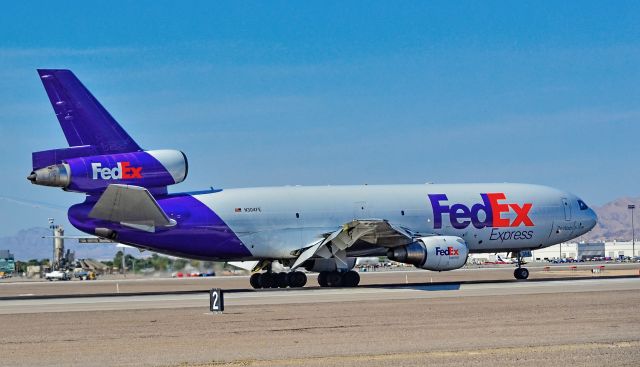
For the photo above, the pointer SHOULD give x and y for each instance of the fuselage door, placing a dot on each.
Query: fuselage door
(567, 209)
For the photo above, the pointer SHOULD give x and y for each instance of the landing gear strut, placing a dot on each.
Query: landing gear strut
(520, 272)
(295, 279)
(338, 279)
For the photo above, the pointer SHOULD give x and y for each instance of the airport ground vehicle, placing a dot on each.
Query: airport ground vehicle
(320, 228)
(57, 275)
(82, 274)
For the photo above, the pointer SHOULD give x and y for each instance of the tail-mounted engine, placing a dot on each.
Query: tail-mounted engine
(433, 253)
(149, 169)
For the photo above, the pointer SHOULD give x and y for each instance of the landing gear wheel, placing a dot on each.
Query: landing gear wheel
(274, 280)
(255, 280)
(350, 279)
(297, 279)
(266, 280)
(281, 280)
(334, 279)
(322, 278)
(521, 273)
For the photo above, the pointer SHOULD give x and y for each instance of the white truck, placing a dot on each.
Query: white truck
(57, 275)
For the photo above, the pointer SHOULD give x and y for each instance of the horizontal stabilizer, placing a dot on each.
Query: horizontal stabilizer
(132, 206)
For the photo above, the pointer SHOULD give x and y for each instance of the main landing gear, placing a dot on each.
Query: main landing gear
(294, 279)
(520, 272)
(338, 279)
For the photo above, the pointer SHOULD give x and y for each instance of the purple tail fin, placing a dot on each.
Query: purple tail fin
(82, 118)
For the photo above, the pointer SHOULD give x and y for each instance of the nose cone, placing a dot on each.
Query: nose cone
(586, 218)
(591, 219)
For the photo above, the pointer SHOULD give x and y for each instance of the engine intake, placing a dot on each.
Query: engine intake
(433, 253)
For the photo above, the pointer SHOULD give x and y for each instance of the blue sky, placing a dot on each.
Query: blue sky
(277, 93)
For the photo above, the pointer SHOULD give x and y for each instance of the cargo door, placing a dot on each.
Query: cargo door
(567, 209)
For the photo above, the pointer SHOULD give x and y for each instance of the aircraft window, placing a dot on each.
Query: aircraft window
(582, 205)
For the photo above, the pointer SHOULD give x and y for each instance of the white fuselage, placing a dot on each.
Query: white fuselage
(275, 221)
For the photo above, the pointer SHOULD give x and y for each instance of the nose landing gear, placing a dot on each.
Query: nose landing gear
(520, 272)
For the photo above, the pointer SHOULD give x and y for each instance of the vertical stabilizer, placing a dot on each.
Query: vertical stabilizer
(83, 119)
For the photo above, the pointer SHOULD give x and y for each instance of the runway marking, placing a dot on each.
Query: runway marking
(319, 295)
(611, 266)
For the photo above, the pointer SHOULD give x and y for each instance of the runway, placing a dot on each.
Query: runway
(317, 295)
(588, 322)
(11, 288)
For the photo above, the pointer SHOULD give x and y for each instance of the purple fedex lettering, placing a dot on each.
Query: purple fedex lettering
(460, 215)
(438, 209)
(488, 213)
(449, 251)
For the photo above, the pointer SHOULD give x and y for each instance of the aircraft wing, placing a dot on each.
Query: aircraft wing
(375, 231)
(245, 265)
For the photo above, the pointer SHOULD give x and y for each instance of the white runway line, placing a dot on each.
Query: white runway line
(317, 295)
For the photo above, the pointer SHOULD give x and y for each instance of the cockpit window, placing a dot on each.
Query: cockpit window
(582, 205)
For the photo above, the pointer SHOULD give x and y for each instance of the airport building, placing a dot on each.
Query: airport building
(7, 263)
(586, 251)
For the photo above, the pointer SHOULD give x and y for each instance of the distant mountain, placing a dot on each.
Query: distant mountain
(28, 244)
(614, 221)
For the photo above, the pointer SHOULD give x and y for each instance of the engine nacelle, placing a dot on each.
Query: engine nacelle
(150, 169)
(433, 253)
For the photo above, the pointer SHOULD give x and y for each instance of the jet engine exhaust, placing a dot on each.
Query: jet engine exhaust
(56, 175)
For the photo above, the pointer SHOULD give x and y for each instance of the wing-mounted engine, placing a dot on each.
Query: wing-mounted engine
(93, 174)
(433, 253)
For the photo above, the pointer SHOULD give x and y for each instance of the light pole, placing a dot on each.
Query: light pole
(633, 233)
(52, 227)
(560, 253)
(124, 265)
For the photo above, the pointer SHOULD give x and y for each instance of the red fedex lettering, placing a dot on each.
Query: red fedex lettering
(522, 215)
(498, 209)
(130, 172)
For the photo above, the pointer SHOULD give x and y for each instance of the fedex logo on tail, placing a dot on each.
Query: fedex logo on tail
(449, 251)
(493, 207)
(122, 170)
